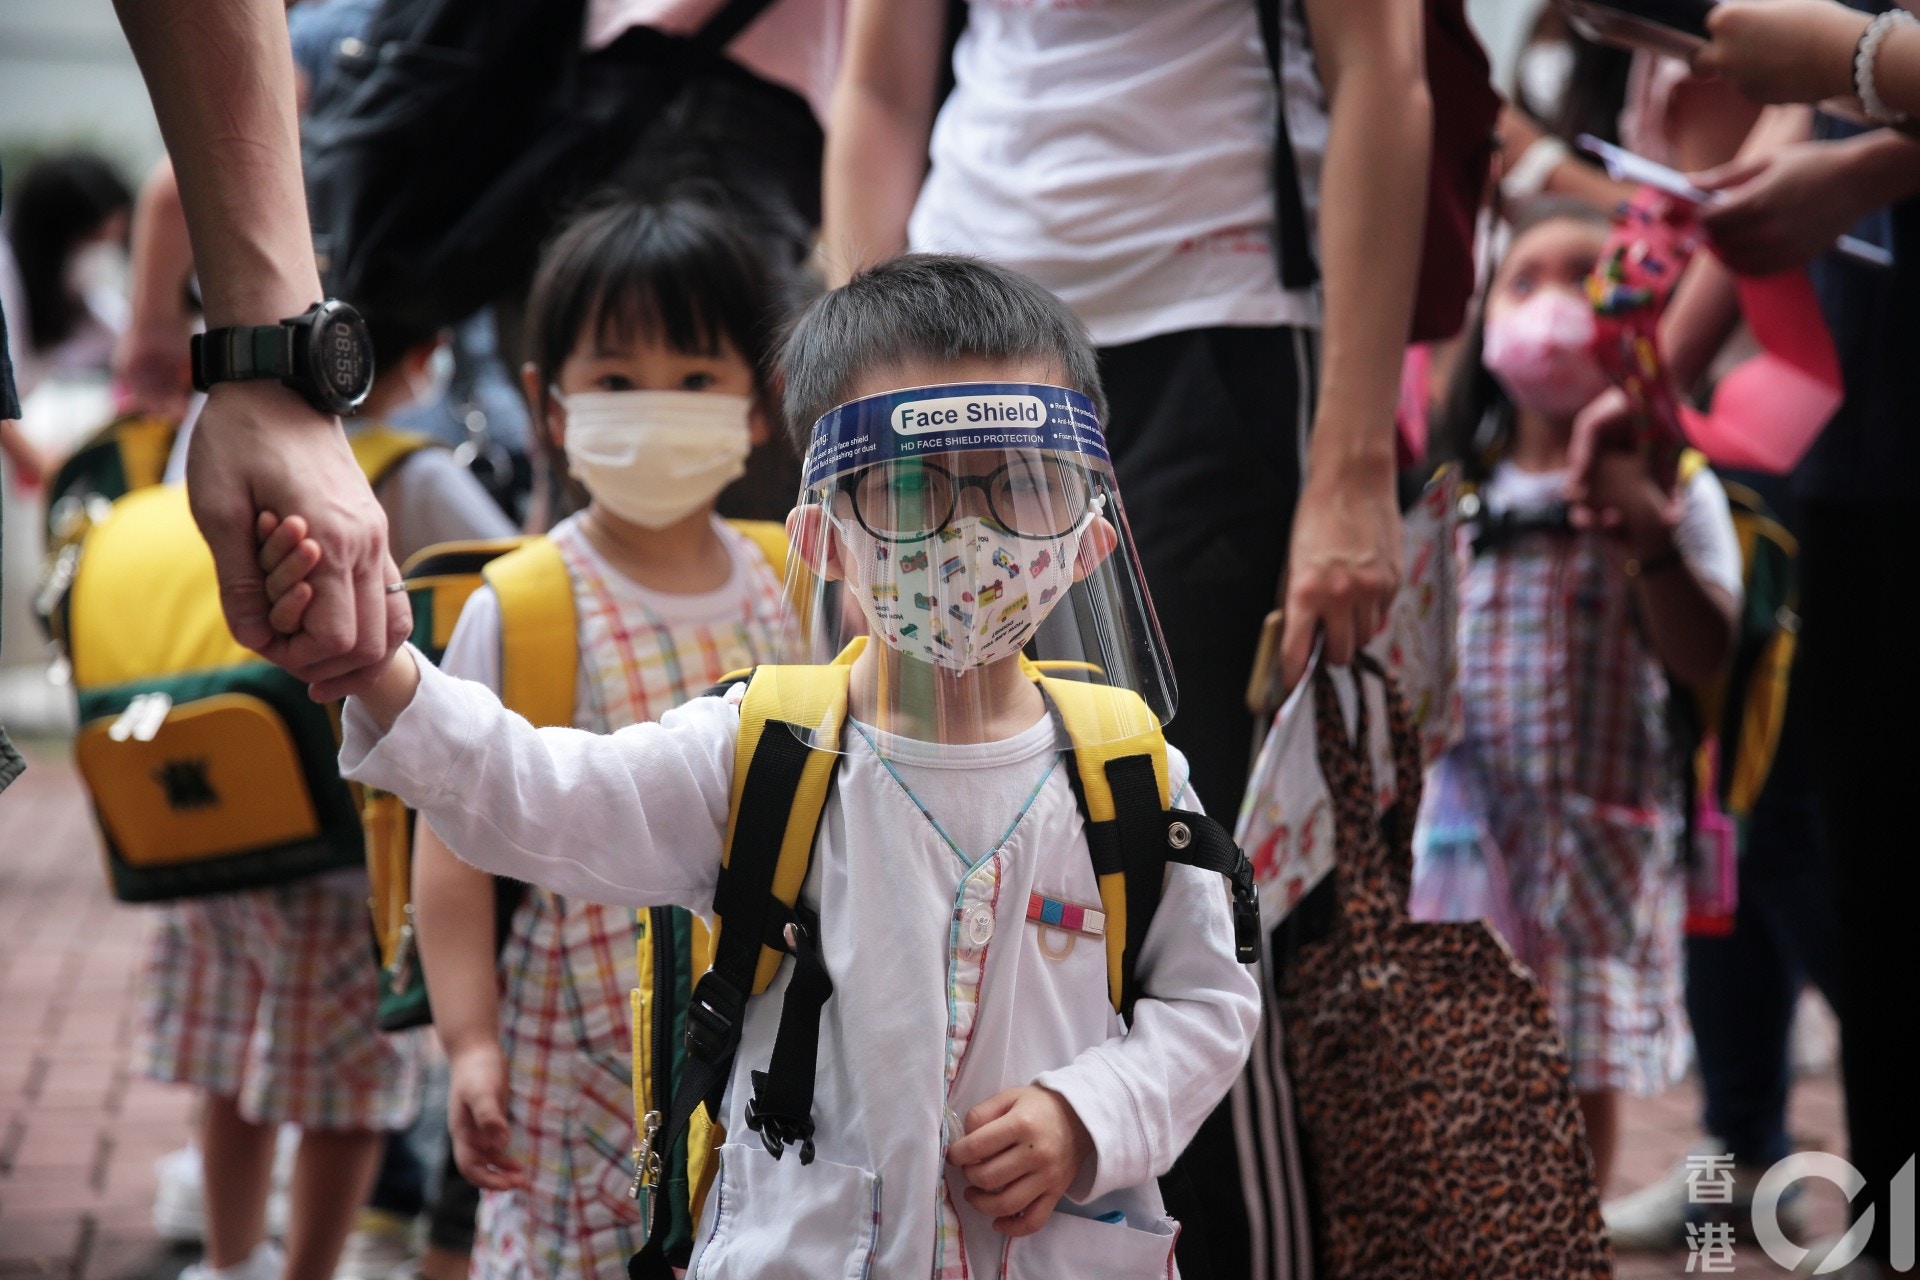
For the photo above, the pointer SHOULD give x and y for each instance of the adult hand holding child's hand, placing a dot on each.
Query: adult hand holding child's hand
(287, 558)
(257, 448)
(1023, 1149)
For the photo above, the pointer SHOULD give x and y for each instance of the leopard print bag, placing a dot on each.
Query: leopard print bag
(1433, 1097)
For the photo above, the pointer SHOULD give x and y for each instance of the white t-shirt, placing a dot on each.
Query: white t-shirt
(1119, 152)
(794, 43)
(1704, 536)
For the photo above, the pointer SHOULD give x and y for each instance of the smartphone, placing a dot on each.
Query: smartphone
(1624, 166)
(1678, 27)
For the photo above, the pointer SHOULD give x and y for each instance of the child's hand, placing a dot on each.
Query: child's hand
(1629, 504)
(477, 1119)
(1023, 1149)
(287, 556)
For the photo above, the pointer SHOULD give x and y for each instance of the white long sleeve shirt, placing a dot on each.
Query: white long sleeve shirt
(944, 993)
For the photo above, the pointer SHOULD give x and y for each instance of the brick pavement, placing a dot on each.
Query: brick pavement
(81, 1133)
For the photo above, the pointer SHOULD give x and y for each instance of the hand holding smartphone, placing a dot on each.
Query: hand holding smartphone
(1625, 166)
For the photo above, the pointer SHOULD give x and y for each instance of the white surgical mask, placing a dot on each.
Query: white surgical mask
(968, 596)
(655, 457)
(1542, 73)
(99, 267)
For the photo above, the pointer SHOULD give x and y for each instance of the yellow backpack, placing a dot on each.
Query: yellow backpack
(209, 769)
(695, 979)
(539, 672)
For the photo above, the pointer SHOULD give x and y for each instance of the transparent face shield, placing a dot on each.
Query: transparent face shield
(952, 544)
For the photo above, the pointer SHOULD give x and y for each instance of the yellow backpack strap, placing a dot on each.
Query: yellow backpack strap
(145, 444)
(1121, 781)
(439, 580)
(784, 760)
(539, 646)
(770, 536)
(380, 448)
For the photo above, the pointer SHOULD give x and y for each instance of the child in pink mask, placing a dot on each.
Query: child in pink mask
(1568, 640)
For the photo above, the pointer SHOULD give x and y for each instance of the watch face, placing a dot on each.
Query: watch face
(343, 356)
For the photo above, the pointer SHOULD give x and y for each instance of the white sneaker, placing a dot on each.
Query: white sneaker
(1656, 1216)
(179, 1211)
(381, 1244)
(179, 1198)
(265, 1263)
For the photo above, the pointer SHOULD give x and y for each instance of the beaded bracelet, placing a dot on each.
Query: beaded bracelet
(1865, 55)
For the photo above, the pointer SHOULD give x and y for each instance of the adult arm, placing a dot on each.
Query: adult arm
(1552, 167)
(150, 363)
(883, 107)
(1802, 51)
(221, 77)
(1344, 562)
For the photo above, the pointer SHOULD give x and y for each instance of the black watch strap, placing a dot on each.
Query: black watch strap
(242, 353)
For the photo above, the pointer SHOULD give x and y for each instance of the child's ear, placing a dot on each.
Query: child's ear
(549, 415)
(759, 429)
(1096, 544)
(811, 538)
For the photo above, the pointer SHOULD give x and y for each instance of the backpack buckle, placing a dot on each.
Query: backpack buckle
(778, 1131)
(713, 1022)
(1246, 913)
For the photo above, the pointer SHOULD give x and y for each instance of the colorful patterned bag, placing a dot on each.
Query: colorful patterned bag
(1434, 1101)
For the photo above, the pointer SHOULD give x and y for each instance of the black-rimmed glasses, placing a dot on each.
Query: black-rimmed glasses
(911, 499)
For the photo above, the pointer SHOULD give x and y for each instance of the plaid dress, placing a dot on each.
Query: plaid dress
(1564, 743)
(567, 966)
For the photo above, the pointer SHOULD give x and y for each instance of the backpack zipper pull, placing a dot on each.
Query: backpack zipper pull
(142, 719)
(646, 1161)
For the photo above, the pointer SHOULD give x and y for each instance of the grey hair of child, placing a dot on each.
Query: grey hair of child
(928, 308)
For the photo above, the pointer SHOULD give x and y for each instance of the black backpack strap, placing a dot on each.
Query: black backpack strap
(1140, 840)
(751, 916)
(781, 1109)
(1491, 532)
(1299, 268)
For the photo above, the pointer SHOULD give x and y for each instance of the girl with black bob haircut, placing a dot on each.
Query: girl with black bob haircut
(678, 271)
(647, 330)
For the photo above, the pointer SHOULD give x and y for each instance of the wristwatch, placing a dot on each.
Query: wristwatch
(324, 353)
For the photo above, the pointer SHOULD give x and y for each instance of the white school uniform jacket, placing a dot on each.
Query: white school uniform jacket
(944, 994)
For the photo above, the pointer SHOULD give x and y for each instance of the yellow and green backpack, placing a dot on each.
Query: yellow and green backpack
(539, 671)
(209, 769)
(695, 979)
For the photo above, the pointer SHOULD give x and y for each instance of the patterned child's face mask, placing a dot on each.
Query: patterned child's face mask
(967, 596)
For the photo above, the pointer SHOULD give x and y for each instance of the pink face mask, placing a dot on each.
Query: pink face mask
(1542, 352)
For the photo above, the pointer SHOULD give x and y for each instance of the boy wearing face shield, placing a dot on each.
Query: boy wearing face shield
(979, 1103)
